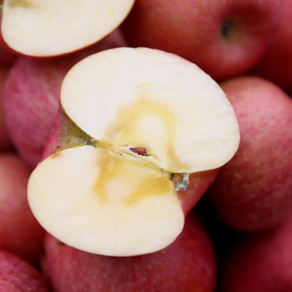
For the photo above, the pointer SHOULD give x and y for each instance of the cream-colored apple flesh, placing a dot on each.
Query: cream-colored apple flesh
(149, 114)
(55, 27)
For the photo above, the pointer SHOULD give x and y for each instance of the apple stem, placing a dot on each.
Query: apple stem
(180, 180)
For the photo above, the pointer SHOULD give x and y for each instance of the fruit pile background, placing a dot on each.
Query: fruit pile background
(239, 235)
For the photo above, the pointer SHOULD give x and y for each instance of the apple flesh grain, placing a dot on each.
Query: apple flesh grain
(253, 191)
(20, 232)
(31, 97)
(16, 275)
(260, 263)
(222, 38)
(102, 194)
(50, 28)
(188, 264)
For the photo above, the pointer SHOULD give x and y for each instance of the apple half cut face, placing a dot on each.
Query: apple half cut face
(149, 117)
(48, 28)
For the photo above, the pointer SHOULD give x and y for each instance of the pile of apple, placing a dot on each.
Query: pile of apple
(146, 146)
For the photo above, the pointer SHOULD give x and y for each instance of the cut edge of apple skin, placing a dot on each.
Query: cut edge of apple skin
(67, 220)
(39, 28)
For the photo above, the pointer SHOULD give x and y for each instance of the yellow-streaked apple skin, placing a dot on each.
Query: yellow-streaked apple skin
(253, 191)
(188, 264)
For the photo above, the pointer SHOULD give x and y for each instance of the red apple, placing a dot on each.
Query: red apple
(20, 233)
(260, 263)
(5, 142)
(188, 264)
(276, 64)
(253, 191)
(17, 275)
(118, 164)
(223, 38)
(31, 96)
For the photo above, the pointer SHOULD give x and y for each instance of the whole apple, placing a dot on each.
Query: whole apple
(16, 275)
(253, 191)
(31, 97)
(224, 38)
(188, 264)
(260, 262)
(276, 64)
(20, 233)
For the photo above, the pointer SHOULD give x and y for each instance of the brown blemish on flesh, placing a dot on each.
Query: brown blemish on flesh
(19, 3)
(55, 155)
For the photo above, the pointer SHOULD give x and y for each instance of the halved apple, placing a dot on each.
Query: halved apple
(49, 28)
(141, 121)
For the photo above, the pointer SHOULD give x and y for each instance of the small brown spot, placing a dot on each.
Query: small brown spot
(55, 155)
(60, 243)
(19, 3)
(139, 151)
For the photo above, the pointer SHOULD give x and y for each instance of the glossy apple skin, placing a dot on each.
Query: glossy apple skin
(186, 265)
(31, 96)
(276, 64)
(193, 30)
(16, 275)
(253, 191)
(260, 263)
(20, 232)
(5, 143)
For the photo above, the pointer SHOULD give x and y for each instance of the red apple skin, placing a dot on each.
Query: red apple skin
(260, 263)
(16, 275)
(6, 58)
(5, 143)
(193, 30)
(31, 97)
(253, 191)
(186, 265)
(20, 232)
(276, 64)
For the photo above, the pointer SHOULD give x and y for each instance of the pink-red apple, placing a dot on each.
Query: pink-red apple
(253, 191)
(31, 97)
(260, 263)
(20, 233)
(116, 180)
(224, 38)
(186, 265)
(276, 64)
(16, 275)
